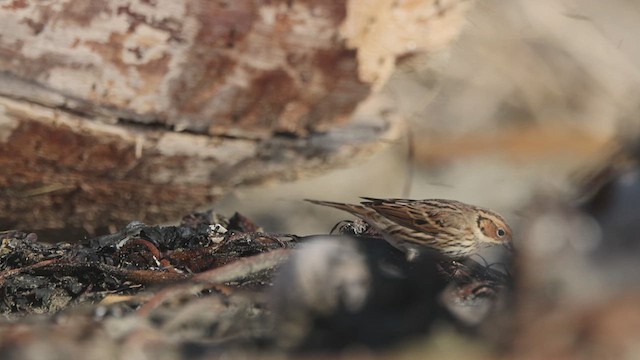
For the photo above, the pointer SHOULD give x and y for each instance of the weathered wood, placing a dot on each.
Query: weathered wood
(200, 66)
(121, 110)
(82, 174)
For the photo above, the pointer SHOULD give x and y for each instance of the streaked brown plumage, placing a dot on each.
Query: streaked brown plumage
(453, 228)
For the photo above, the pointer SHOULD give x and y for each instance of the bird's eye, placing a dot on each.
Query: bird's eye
(501, 232)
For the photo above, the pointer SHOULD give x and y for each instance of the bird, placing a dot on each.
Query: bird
(452, 228)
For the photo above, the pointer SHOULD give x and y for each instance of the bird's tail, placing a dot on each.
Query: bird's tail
(354, 209)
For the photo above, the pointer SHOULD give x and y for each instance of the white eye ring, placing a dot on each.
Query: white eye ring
(501, 232)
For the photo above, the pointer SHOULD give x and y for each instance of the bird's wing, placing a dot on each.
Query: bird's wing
(421, 215)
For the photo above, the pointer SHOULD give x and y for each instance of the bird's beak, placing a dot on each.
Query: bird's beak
(508, 245)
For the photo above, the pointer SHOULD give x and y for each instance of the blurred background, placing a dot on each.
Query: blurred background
(531, 94)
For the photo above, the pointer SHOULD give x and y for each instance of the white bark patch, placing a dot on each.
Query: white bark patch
(7, 125)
